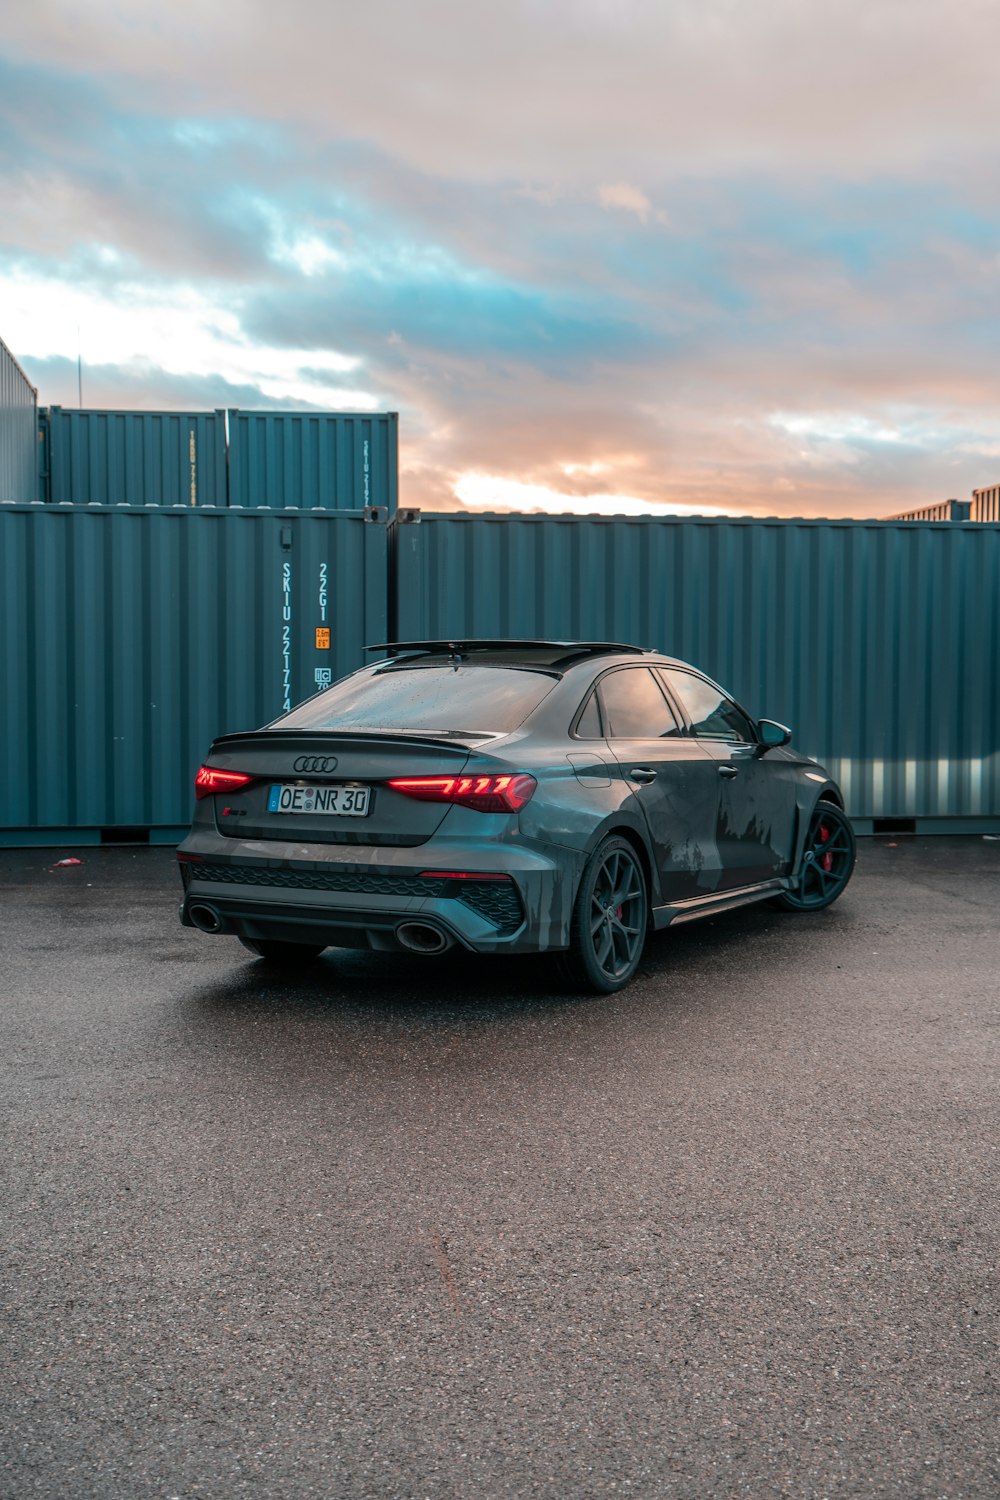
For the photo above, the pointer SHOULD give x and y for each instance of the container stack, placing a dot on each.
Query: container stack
(283, 460)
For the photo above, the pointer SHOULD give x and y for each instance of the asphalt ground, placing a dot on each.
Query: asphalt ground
(436, 1228)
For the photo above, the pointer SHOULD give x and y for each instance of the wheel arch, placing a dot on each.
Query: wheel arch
(820, 810)
(618, 827)
(806, 806)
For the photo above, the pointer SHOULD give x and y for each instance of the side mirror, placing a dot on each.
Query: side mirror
(772, 735)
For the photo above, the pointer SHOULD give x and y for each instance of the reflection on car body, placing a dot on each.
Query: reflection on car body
(602, 791)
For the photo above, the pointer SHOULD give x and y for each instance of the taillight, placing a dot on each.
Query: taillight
(209, 780)
(504, 794)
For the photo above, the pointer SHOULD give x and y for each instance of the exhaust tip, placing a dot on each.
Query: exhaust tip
(421, 937)
(205, 918)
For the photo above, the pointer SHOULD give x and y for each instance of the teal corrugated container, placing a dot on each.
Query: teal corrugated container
(134, 457)
(878, 642)
(135, 635)
(324, 460)
(18, 430)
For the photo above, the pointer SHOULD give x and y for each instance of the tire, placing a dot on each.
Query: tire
(610, 917)
(827, 861)
(292, 955)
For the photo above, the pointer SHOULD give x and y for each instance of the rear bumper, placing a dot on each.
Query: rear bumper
(351, 897)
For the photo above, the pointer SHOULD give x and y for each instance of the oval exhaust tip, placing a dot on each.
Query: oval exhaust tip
(205, 918)
(421, 937)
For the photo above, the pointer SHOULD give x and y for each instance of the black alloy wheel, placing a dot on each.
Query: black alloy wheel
(609, 920)
(277, 952)
(827, 861)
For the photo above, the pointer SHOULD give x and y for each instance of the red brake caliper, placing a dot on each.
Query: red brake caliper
(826, 860)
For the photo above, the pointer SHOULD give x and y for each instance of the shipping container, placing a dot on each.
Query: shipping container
(325, 460)
(944, 510)
(135, 635)
(986, 504)
(877, 642)
(18, 424)
(133, 457)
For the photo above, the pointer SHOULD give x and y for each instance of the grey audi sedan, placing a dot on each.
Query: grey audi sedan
(562, 797)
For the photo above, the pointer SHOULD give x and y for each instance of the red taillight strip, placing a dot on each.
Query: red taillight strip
(210, 780)
(431, 788)
(462, 875)
(507, 792)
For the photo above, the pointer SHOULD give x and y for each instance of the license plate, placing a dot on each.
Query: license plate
(326, 801)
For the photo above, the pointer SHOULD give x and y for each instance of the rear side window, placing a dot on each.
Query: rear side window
(469, 700)
(588, 725)
(634, 705)
(713, 716)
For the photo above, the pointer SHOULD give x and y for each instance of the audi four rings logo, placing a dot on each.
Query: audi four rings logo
(316, 763)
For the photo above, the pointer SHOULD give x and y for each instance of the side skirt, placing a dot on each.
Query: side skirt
(717, 901)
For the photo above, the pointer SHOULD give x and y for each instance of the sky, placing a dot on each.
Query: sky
(611, 255)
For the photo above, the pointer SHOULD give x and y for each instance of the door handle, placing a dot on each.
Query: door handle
(642, 773)
(729, 772)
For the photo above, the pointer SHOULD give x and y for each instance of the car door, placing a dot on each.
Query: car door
(756, 801)
(673, 777)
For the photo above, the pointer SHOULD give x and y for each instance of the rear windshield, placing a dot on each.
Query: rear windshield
(471, 700)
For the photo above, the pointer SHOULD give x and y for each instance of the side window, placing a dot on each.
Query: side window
(634, 705)
(713, 716)
(588, 726)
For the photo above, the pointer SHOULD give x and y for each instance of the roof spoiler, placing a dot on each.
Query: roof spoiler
(469, 647)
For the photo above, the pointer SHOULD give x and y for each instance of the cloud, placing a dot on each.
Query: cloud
(177, 329)
(566, 90)
(492, 492)
(783, 293)
(624, 196)
(142, 387)
(82, 170)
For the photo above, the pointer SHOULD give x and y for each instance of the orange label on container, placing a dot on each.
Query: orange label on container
(322, 639)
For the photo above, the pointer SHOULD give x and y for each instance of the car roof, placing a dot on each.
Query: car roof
(553, 655)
